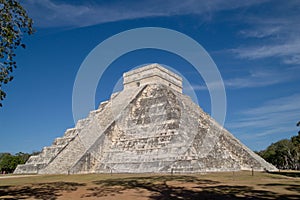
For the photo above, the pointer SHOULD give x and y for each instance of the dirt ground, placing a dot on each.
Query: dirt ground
(230, 185)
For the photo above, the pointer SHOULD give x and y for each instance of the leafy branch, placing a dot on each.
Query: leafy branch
(14, 23)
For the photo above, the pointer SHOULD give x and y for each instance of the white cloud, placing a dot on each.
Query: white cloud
(261, 32)
(199, 87)
(262, 78)
(258, 78)
(195, 88)
(47, 13)
(273, 117)
(289, 51)
(274, 33)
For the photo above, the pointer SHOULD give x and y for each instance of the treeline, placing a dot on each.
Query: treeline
(284, 154)
(9, 162)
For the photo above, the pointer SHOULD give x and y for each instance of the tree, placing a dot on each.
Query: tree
(9, 162)
(296, 141)
(284, 154)
(14, 23)
(22, 157)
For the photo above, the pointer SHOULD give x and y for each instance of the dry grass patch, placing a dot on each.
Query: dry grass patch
(229, 185)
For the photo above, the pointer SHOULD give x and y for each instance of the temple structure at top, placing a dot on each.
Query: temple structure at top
(152, 74)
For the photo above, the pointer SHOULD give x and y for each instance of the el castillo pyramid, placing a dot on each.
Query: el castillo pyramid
(150, 126)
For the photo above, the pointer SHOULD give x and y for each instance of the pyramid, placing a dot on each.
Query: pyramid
(150, 126)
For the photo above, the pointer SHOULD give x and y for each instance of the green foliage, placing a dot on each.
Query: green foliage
(284, 154)
(14, 22)
(8, 162)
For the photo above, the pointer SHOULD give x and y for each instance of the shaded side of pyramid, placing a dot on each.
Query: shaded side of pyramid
(150, 126)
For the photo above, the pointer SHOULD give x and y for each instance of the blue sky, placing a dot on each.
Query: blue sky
(255, 45)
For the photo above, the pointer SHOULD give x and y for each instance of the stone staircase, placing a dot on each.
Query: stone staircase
(87, 131)
(40, 161)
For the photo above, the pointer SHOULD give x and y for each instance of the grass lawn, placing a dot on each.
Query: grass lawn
(228, 185)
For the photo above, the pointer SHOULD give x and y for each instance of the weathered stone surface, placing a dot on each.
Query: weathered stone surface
(152, 74)
(147, 127)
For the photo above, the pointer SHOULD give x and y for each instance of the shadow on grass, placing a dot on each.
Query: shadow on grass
(44, 191)
(291, 187)
(290, 174)
(175, 188)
